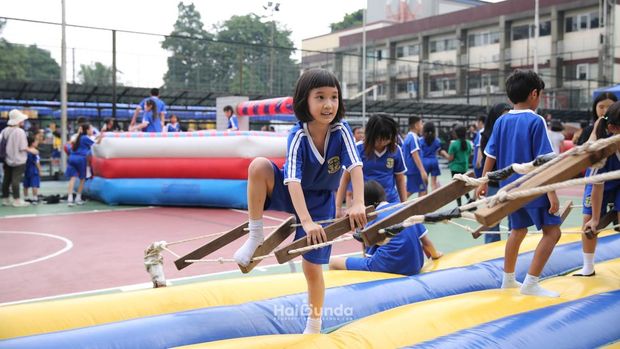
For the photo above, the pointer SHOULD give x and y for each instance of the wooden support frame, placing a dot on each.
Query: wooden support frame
(565, 212)
(274, 239)
(334, 230)
(607, 219)
(429, 203)
(212, 246)
(565, 169)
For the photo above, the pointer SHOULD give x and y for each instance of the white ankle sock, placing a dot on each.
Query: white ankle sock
(70, 198)
(245, 252)
(509, 281)
(588, 264)
(532, 287)
(78, 197)
(313, 326)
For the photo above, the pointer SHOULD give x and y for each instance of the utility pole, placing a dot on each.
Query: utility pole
(272, 7)
(364, 68)
(536, 25)
(63, 91)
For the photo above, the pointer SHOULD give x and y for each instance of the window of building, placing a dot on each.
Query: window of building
(545, 28)
(582, 72)
(582, 21)
(413, 50)
(400, 51)
(443, 84)
(520, 32)
(443, 45)
(401, 87)
(481, 39)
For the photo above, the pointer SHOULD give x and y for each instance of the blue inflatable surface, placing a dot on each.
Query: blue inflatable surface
(593, 317)
(287, 315)
(230, 193)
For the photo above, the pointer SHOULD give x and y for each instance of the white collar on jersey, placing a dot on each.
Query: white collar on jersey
(316, 152)
(519, 111)
(381, 153)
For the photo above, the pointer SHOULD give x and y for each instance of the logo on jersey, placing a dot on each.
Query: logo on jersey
(588, 202)
(333, 165)
(389, 163)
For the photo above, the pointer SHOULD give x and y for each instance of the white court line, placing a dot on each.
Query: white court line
(268, 217)
(149, 285)
(30, 215)
(68, 246)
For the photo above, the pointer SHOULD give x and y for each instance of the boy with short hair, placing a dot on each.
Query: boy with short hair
(518, 137)
(233, 123)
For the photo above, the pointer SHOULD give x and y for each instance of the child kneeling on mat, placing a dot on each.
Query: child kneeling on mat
(403, 254)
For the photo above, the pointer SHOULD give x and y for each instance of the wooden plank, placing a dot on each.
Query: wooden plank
(272, 241)
(334, 230)
(568, 206)
(606, 220)
(565, 169)
(426, 204)
(212, 246)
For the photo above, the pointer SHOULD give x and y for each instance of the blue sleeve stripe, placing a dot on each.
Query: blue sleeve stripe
(292, 155)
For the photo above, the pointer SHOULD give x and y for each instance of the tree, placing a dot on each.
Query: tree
(350, 20)
(261, 66)
(20, 62)
(188, 65)
(96, 74)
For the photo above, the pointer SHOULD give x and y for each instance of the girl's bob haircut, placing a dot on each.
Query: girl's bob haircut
(309, 80)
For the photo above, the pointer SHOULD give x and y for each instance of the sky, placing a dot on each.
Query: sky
(140, 59)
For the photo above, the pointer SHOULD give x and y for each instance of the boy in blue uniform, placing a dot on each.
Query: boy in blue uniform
(403, 254)
(318, 147)
(476, 161)
(416, 174)
(518, 137)
(159, 105)
(233, 122)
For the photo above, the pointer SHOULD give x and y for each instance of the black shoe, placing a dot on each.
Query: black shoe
(589, 275)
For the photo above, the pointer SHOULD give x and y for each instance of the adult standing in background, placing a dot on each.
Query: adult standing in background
(233, 123)
(160, 105)
(15, 159)
(556, 137)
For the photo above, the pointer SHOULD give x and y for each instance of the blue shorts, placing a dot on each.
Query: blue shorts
(538, 216)
(432, 167)
(478, 171)
(55, 154)
(32, 181)
(609, 197)
(76, 166)
(320, 205)
(415, 183)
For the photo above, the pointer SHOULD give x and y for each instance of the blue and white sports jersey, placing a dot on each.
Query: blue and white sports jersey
(429, 151)
(161, 106)
(233, 123)
(612, 164)
(173, 127)
(410, 146)
(84, 145)
(403, 254)
(382, 167)
(519, 137)
(476, 147)
(316, 172)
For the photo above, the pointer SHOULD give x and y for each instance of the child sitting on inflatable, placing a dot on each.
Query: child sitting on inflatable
(403, 254)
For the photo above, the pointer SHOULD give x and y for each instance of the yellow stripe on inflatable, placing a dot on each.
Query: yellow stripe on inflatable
(611, 346)
(423, 321)
(43, 317)
(496, 250)
(50, 316)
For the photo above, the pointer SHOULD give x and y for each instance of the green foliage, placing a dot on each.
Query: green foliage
(96, 74)
(19, 62)
(350, 20)
(236, 59)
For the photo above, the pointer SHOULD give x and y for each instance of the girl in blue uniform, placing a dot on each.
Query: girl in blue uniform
(403, 254)
(382, 158)
(429, 147)
(32, 175)
(173, 125)
(598, 196)
(416, 174)
(77, 163)
(318, 148)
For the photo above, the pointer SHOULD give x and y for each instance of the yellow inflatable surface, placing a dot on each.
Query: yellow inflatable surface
(50, 316)
(423, 321)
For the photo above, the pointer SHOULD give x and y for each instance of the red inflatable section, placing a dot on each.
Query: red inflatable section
(272, 106)
(196, 168)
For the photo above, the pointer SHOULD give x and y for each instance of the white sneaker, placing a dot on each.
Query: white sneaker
(6, 202)
(80, 202)
(20, 203)
(70, 203)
